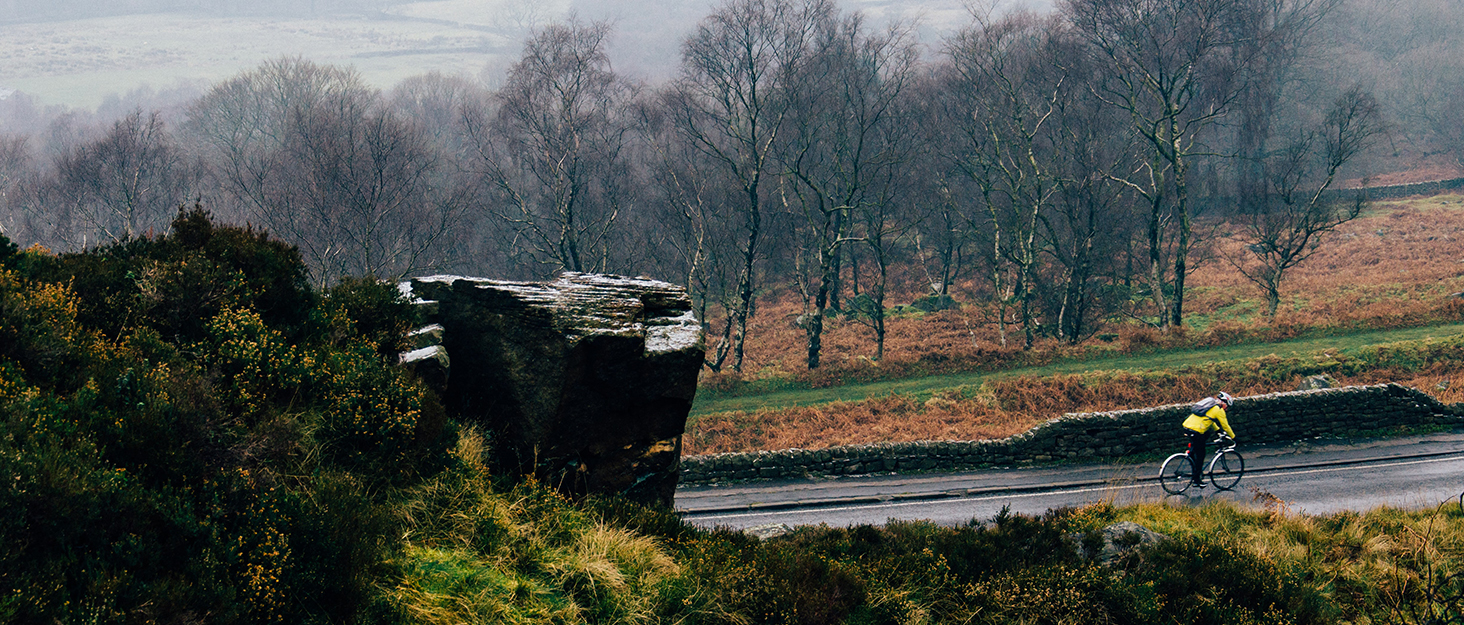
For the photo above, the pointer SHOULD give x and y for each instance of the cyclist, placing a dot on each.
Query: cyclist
(1206, 416)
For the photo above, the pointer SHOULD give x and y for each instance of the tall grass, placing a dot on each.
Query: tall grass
(520, 555)
(1384, 565)
(523, 556)
(1221, 563)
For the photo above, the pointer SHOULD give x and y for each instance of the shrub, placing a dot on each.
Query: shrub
(40, 332)
(183, 448)
(177, 282)
(256, 365)
(368, 310)
(370, 410)
(934, 303)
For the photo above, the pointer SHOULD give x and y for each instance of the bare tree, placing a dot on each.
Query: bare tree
(935, 189)
(884, 221)
(730, 103)
(310, 153)
(1280, 37)
(1408, 55)
(1176, 68)
(1006, 82)
(437, 103)
(129, 182)
(838, 150)
(1284, 225)
(15, 166)
(1089, 221)
(693, 238)
(367, 195)
(554, 151)
(241, 126)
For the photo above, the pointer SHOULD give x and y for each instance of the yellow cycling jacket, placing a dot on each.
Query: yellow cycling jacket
(1207, 422)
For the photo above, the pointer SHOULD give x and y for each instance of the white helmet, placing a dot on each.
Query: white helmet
(1225, 397)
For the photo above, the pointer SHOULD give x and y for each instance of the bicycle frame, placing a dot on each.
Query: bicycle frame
(1224, 447)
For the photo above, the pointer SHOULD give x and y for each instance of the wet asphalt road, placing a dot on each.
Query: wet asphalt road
(1317, 477)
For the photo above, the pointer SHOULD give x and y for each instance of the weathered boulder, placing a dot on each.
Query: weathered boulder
(1316, 383)
(584, 382)
(1119, 539)
(770, 530)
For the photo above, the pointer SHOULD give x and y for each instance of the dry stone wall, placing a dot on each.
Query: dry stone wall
(1095, 436)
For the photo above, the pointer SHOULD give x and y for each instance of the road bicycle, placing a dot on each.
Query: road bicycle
(1224, 469)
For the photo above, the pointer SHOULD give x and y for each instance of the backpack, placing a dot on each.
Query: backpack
(1204, 405)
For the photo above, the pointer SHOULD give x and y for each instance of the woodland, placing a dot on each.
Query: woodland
(1064, 173)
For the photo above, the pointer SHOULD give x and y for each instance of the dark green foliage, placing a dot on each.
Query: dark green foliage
(340, 536)
(39, 332)
(934, 303)
(377, 311)
(1193, 576)
(861, 306)
(176, 282)
(183, 448)
(8, 249)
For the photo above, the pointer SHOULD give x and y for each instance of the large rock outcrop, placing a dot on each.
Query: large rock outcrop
(584, 382)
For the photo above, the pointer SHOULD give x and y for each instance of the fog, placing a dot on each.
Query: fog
(648, 34)
(83, 54)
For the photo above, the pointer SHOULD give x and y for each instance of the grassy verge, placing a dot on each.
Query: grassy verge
(1220, 563)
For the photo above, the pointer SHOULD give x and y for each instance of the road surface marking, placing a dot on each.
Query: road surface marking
(966, 500)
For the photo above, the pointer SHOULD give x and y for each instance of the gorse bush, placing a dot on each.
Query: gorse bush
(187, 444)
(175, 284)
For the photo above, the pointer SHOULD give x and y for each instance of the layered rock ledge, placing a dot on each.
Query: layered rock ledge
(584, 382)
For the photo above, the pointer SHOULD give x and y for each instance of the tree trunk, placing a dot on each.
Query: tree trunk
(1181, 253)
(746, 280)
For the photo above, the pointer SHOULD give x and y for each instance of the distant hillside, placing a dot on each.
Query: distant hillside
(12, 11)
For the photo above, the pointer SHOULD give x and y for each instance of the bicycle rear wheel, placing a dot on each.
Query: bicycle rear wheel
(1226, 469)
(1175, 474)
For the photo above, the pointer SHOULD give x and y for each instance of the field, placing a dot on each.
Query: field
(1389, 276)
(80, 62)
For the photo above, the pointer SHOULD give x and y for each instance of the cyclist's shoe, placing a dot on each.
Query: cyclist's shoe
(1197, 484)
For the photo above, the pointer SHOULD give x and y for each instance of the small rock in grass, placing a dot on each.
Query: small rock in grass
(771, 530)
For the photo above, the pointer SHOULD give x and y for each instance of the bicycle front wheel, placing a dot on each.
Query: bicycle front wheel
(1175, 474)
(1226, 469)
